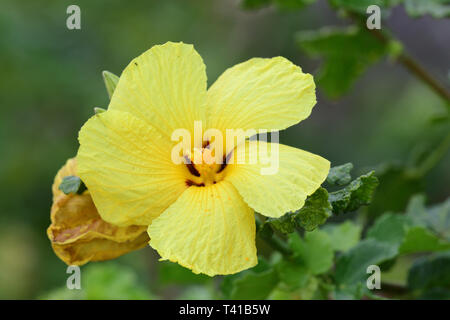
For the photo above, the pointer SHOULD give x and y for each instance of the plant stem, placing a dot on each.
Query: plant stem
(432, 159)
(421, 73)
(408, 62)
(272, 240)
(416, 69)
(278, 245)
(391, 290)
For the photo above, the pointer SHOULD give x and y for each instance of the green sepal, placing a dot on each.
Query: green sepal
(98, 110)
(111, 81)
(72, 184)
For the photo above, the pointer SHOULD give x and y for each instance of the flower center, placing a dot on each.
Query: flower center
(203, 167)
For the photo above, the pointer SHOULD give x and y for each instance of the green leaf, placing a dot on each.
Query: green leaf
(72, 184)
(359, 6)
(390, 228)
(173, 273)
(436, 218)
(285, 224)
(346, 53)
(315, 212)
(104, 281)
(293, 4)
(419, 239)
(292, 274)
(436, 294)
(343, 236)
(395, 189)
(340, 175)
(63, 293)
(314, 251)
(255, 4)
(254, 286)
(228, 283)
(429, 272)
(351, 292)
(111, 81)
(351, 267)
(439, 219)
(197, 293)
(282, 4)
(310, 290)
(416, 210)
(110, 281)
(358, 193)
(435, 8)
(400, 232)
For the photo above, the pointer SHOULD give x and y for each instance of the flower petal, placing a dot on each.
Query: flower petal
(298, 175)
(126, 164)
(261, 94)
(77, 232)
(165, 86)
(208, 229)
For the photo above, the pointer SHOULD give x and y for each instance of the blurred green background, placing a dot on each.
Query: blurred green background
(50, 81)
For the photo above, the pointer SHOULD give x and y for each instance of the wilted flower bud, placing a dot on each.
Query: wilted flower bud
(78, 233)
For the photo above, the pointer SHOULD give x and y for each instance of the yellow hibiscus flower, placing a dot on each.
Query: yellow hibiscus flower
(199, 215)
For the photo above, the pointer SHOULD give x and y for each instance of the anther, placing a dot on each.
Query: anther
(191, 167)
(192, 183)
(226, 159)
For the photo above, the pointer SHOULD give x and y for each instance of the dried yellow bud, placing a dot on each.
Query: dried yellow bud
(78, 233)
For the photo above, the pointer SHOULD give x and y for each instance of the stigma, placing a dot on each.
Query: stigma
(203, 168)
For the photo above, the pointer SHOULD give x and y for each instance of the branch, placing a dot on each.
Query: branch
(416, 69)
(407, 61)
